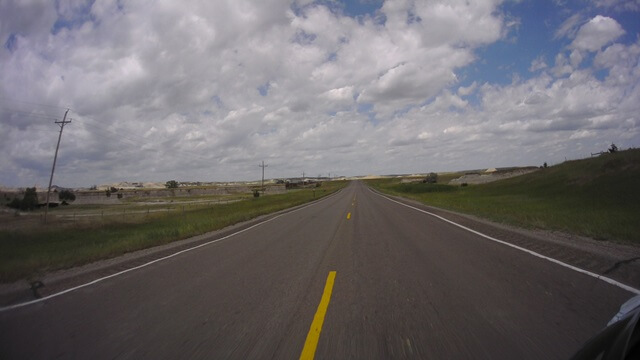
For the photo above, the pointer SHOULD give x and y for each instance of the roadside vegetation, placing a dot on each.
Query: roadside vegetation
(596, 197)
(29, 251)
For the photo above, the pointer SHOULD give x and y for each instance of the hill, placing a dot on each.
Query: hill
(596, 197)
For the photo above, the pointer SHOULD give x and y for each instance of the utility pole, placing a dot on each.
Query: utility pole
(55, 157)
(263, 166)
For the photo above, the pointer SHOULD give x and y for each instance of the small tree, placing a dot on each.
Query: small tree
(613, 148)
(171, 184)
(30, 199)
(67, 195)
(432, 178)
(544, 165)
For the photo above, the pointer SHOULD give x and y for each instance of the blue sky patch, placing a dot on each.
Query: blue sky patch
(264, 89)
(12, 42)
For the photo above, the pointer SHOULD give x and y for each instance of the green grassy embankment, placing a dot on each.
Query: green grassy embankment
(596, 197)
(30, 251)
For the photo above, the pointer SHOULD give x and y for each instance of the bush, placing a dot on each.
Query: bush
(432, 178)
(28, 202)
(256, 193)
(15, 203)
(171, 184)
(67, 195)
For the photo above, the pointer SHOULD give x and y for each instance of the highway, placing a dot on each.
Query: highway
(407, 285)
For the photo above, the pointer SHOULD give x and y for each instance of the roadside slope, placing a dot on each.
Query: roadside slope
(597, 197)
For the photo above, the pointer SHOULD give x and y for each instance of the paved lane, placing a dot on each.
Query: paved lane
(407, 286)
(414, 286)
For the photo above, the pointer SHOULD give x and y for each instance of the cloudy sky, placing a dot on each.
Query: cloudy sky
(206, 90)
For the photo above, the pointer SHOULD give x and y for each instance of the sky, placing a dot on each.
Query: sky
(207, 90)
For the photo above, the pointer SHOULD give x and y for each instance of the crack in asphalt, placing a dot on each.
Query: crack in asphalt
(620, 263)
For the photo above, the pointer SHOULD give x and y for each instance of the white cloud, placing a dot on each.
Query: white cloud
(622, 63)
(575, 58)
(465, 91)
(204, 91)
(561, 66)
(569, 27)
(538, 63)
(31, 19)
(598, 32)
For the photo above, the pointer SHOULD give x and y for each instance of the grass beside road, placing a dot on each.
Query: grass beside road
(29, 252)
(597, 197)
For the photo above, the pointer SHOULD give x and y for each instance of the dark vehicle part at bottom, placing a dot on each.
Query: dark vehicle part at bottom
(619, 340)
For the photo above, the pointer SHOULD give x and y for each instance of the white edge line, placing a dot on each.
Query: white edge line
(15, 306)
(597, 276)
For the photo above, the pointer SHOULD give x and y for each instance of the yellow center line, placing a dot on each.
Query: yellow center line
(310, 345)
(348, 216)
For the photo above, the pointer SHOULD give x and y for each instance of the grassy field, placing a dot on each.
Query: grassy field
(31, 250)
(596, 197)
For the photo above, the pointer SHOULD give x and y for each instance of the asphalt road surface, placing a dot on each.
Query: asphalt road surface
(407, 285)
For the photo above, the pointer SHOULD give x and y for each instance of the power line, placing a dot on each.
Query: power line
(24, 114)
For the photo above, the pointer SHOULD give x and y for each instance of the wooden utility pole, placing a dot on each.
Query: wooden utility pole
(263, 166)
(55, 157)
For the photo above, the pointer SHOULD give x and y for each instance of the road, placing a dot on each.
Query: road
(407, 285)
